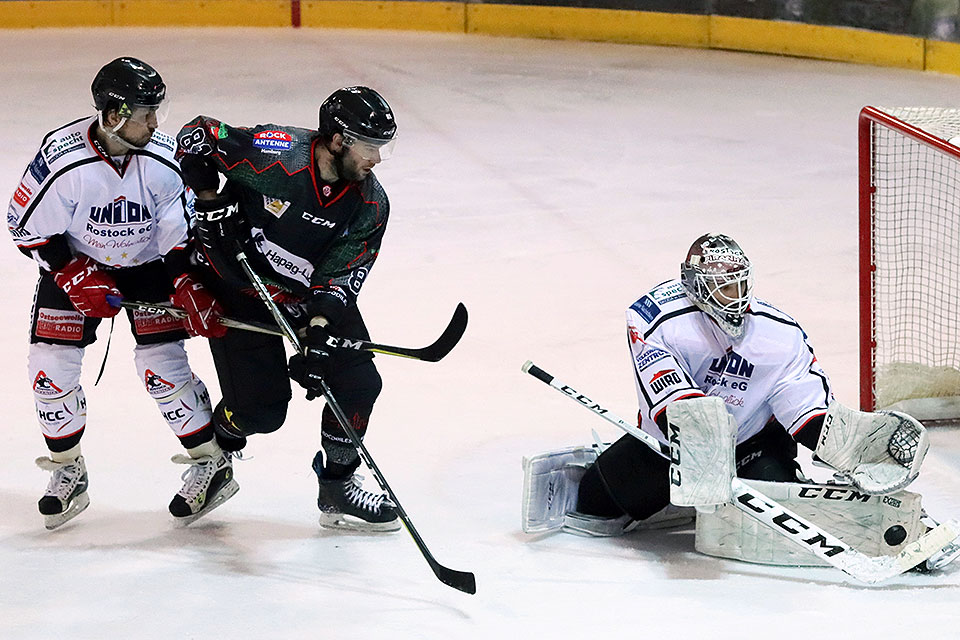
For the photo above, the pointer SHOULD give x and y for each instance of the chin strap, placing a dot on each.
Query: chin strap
(112, 134)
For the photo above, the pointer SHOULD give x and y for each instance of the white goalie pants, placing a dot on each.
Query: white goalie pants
(54, 372)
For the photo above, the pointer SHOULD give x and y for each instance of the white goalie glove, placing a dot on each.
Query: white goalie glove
(877, 452)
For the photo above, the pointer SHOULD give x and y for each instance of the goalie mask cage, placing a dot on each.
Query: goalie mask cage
(910, 261)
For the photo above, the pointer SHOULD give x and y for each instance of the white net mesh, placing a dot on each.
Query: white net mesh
(916, 244)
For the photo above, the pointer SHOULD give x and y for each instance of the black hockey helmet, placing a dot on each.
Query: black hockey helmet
(359, 114)
(126, 83)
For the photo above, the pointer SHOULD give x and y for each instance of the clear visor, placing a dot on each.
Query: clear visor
(370, 149)
(728, 292)
(149, 115)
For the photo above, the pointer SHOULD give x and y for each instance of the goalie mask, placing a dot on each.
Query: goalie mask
(718, 278)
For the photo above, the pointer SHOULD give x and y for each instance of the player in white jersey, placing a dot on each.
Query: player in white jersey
(103, 210)
(705, 334)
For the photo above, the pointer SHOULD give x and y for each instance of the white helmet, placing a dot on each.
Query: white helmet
(718, 278)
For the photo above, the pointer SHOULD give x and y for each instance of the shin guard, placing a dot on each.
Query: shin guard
(181, 397)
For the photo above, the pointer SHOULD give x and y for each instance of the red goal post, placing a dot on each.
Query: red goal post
(909, 263)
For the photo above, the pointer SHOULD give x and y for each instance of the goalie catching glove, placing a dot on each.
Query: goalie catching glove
(877, 452)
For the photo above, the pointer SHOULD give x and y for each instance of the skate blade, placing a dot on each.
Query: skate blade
(344, 522)
(77, 505)
(226, 492)
(946, 556)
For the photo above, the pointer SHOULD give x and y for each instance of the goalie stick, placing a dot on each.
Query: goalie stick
(461, 580)
(432, 353)
(783, 521)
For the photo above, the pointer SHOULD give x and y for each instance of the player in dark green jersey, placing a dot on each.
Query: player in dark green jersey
(309, 213)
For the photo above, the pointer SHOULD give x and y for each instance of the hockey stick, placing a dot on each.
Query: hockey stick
(783, 521)
(432, 353)
(461, 580)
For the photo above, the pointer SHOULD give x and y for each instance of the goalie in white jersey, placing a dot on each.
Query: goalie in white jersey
(705, 334)
(103, 210)
(727, 386)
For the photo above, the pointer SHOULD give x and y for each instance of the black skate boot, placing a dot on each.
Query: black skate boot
(66, 494)
(345, 505)
(208, 483)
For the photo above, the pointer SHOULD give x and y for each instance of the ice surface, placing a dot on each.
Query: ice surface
(544, 184)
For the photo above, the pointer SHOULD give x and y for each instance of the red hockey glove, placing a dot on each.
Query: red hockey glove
(203, 311)
(88, 287)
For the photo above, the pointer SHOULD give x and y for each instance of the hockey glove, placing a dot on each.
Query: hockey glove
(219, 223)
(199, 173)
(88, 287)
(309, 368)
(878, 453)
(203, 311)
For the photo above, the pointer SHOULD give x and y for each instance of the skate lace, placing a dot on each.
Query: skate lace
(364, 499)
(65, 476)
(198, 475)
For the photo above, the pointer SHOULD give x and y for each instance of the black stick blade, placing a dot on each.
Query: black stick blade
(440, 348)
(460, 580)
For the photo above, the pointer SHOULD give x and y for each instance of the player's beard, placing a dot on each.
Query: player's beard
(348, 170)
(141, 141)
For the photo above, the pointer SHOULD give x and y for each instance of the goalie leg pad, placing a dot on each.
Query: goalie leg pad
(878, 452)
(703, 440)
(600, 527)
(874, 525)
(550, 483)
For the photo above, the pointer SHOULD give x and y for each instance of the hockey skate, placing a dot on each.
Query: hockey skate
(345, 505)
(943, 557)
(208, 483)
(66, 494)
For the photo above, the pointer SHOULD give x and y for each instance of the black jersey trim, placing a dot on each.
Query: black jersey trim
(43, 190)
(789, 323)
(669, 316)
(826, 385)
(50, 133)
(158, 158)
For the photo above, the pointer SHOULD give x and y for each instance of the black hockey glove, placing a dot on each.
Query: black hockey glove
(309, 368)
(199, 173)
(219, 223)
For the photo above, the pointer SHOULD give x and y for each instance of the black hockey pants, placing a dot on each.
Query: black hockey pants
(254, 383)
(630, 478)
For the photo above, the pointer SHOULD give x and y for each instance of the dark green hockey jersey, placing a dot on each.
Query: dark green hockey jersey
(318, 240)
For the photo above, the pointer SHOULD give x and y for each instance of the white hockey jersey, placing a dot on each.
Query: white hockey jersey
(119, 216)
(679, 352)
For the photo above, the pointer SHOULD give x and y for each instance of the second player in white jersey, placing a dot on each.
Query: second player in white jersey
(102, 209)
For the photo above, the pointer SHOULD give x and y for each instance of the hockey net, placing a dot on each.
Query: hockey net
(910, 261)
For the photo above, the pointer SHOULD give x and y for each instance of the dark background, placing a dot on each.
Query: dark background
(936, 19)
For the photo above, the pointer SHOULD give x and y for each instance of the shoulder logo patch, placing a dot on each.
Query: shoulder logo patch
(647, 308)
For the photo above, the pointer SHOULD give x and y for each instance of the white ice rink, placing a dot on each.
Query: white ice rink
(546, 185)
